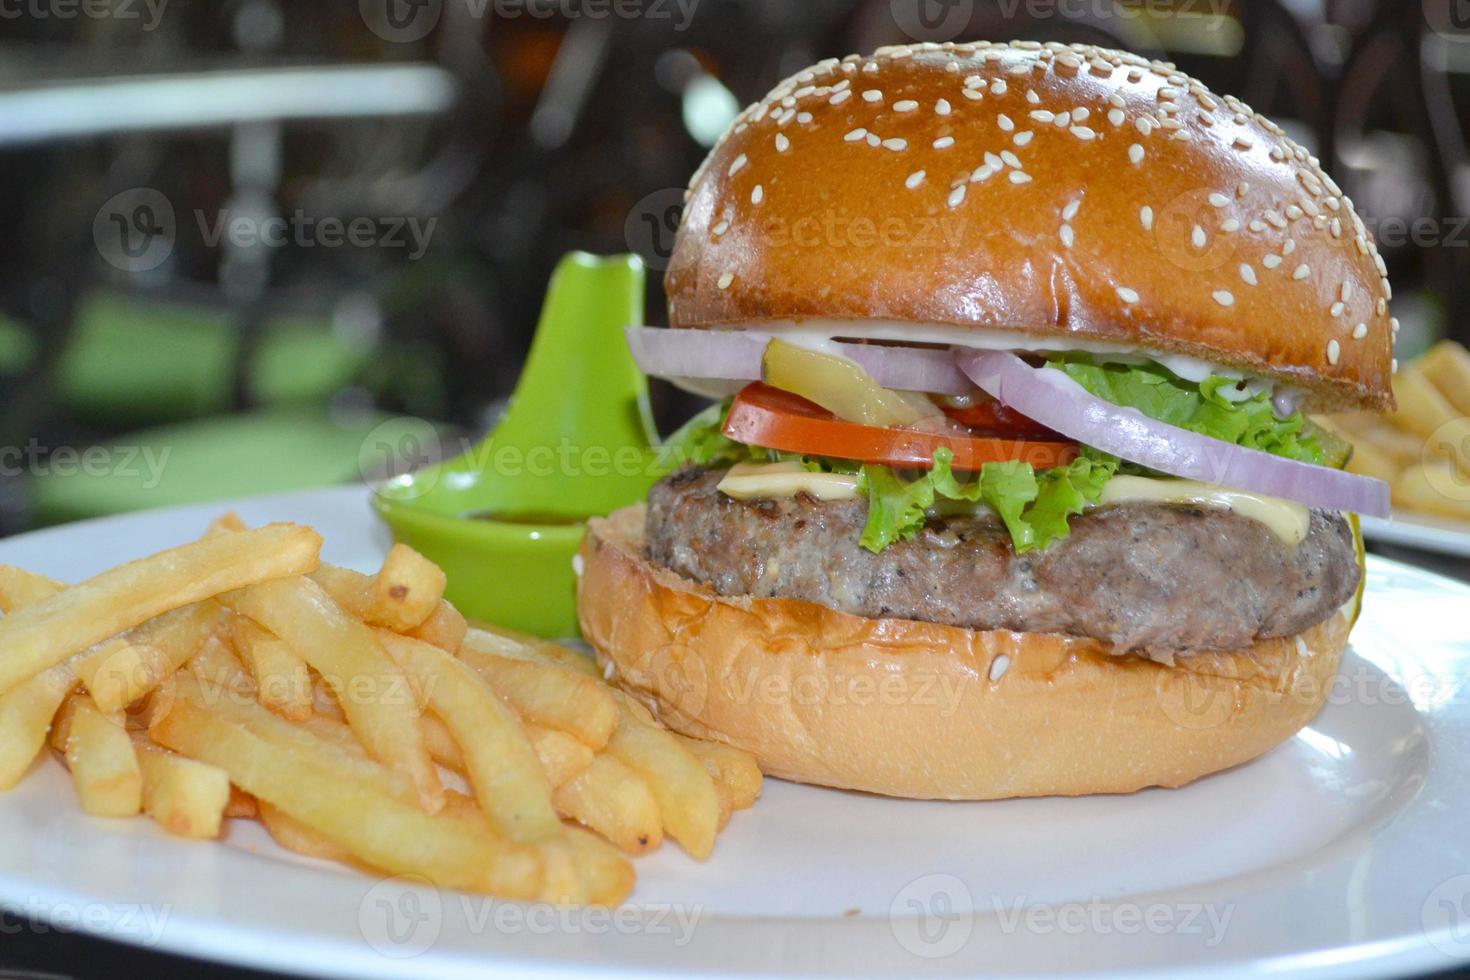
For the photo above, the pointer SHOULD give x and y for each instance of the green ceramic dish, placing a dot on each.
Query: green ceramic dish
(505, 519)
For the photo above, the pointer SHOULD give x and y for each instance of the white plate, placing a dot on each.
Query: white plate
(1422, 531)
(1344, 852)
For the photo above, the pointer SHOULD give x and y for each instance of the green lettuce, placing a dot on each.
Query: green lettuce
(1035, 506)
(1202, 408)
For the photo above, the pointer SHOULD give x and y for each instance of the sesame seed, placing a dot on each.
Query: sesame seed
(1068, 237)
(1022, 138)
(1116, 100)
(1271, 261)
(1004, 122)
(1146, 215)
(739, 164)
(1033, 98)
(1334, 351)
(1224, 297)
(758, 195)
(1336, 228)
(998, 87)
(1382, 306)
(1393, 324)
(1302, 271)
(856, 135)
(721, 228)
(993, 161)
(1135, 153)
(983, 172)
(874, 139)
(1127, 295)
(803, 117)
(974, 81)
(943, 108)
(1115, 116)
(1289, 247)
(896, 145)
(907, 105)
(944, 143)
(1230, 225)
(1247, 274)
(871, 67)
(1083, 132)
(873, 95)
(1080, 114)
(1241, 143)
(1257, 225)
(998, 667)
(1197, 237)
(1042, 115)
(1242, 189)
(1219, 200)
(1394, 366)
(1360, 331)
(915, 179)
(1293, 212)
(840, 98)
(1337, 310)
(726, 280)
(1062, 120)
(1070, 211)
(957, 196)
(1020, 177)
(782, 143)
(1347, 292)
(1011, 160)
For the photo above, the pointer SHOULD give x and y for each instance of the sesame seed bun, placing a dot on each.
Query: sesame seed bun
(1054, 191)
(914, 709)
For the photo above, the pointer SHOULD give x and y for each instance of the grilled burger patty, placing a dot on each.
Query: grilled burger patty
(1156, 578)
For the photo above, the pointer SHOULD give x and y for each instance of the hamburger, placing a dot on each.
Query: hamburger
(1011, 489)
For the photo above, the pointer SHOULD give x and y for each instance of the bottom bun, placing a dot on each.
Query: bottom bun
(914, 709)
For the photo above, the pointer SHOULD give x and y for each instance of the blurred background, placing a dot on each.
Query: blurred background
(243, 235)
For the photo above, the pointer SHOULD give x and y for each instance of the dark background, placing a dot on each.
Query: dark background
(522, 129)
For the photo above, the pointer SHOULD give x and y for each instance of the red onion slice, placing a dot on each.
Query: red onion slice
(1056, 401)
(735, 355)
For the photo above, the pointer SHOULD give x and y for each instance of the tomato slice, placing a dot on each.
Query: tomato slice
(775, 419)
(990, 416)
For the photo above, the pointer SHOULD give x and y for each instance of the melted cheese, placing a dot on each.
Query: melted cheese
(756, 481)
(1287, 520)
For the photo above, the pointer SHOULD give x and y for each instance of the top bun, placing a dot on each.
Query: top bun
(1051, 190)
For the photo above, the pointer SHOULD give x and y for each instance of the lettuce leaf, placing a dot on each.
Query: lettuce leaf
(1203, 408)
(1035, 507)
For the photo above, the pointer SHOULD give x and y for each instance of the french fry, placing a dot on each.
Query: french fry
(615, 801)
(241, 805)
(406, 591)
(442, 747)
(295, 836)
(186, 797)
(381, 829)
(1447, 366)
(501, 765)
(687, 801)
(221, 672)
(26, 713)
(42, 635)
(1422, 409)
(369, 686)
(1433, 488)
(118, 672)
(347, 588)
(514, 645)
(731, 768)
(550, 696)
(104, 765)
(20, 588)
(563, 757)
(445, 628)
(281, 677)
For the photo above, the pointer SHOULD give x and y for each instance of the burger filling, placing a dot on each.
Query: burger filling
(818, 484)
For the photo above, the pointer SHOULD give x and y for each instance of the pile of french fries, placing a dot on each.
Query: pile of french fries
(1422, 451)
(360, 718)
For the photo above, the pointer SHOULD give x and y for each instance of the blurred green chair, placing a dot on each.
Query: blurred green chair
(176, 369)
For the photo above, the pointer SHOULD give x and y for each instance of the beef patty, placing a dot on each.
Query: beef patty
(1155, 578)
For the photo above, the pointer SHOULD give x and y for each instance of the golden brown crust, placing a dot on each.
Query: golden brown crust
(1253, 258)
(919, 710)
